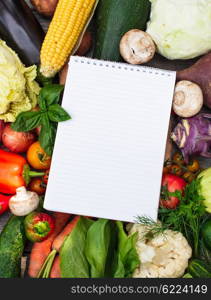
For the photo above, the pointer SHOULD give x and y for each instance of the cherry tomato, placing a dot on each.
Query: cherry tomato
(193, 166)
(176, 170)
(166, 169)
(45, 177)
(37, 157)
(178, 159)
(36, 185)
(188, 176)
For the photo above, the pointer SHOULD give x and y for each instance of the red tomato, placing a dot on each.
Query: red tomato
(171, 184)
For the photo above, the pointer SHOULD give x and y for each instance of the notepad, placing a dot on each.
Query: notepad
(108, 158)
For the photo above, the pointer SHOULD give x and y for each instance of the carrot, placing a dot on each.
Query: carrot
(55, 270)
(57, 243)
(40, 251)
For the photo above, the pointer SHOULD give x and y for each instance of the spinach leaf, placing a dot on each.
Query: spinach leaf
(127, 254)
(97, 246)
(73, 261)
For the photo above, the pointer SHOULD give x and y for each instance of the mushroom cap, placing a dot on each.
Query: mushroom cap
(188, 99)
(137, 47)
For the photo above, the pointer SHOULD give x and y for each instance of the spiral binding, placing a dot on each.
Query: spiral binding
(121, 66)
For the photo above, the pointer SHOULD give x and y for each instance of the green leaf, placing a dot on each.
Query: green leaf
(119, 268)
(57, 114)
(47, 134)
(73, 261)
(126, 251)
(97, 246)
(49, 95)
(27, 121)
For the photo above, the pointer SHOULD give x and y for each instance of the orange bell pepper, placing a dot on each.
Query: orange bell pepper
(14, 172)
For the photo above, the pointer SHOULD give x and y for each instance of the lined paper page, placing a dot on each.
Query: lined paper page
(108, 158)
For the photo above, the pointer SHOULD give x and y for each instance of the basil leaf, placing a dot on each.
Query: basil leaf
(49, 95)
(57, 114)
(27, 121)
(97, 247)
(73, 261)
(47, 134)
(126, 252)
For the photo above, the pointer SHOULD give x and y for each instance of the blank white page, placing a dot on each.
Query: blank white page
(108, 158)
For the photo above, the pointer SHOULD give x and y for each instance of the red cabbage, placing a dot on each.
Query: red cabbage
(193, 136)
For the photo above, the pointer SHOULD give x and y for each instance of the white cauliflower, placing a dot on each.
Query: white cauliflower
(164, 256)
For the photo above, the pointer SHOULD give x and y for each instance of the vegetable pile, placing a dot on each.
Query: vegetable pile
(32, 80)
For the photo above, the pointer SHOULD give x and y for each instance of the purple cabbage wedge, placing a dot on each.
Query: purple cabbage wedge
(193, 136)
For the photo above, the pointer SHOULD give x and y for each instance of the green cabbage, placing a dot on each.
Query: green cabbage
(181, 28)
(205, 188)
(18, 88)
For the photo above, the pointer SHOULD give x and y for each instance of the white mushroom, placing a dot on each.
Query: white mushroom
(188, 99)
(137, 47)
(23, 202)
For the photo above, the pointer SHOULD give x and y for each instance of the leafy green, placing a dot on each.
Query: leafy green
(50, 94)
(99, 249)
(57, 114)
(97, 245)
(128, 259)
(27, 121)
(47, 117)
(73, 261)
(188, 216)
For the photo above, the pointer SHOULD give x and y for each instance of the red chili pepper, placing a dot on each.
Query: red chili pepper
(38, 226)
(14, 172)
(4, 203)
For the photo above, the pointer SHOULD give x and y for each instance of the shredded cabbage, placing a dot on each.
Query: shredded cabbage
(181, 28)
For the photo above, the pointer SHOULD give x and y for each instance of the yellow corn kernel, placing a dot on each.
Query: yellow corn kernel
(70, 19)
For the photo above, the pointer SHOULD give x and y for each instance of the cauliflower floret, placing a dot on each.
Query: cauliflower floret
(164, 256)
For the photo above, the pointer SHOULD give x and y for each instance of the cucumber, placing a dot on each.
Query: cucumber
(114, 18)
(199, 269)
(12, 242)
(206, 234)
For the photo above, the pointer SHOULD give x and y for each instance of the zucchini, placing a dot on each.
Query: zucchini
(12, 242)
(114, 18)
(206, 233)
(199, 269)
(20, 30)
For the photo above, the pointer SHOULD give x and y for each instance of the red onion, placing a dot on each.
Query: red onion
(2, 124)
(17, 142)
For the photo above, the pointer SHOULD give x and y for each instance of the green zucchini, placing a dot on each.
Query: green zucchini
(199, 269)
(206, 233)
(114, 18)
(12, 242)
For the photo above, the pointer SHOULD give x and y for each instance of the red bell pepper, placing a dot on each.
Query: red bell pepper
(14, 172)
(38, 226)
(4, 203)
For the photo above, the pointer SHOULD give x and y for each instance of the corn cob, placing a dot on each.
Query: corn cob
(65, 31)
